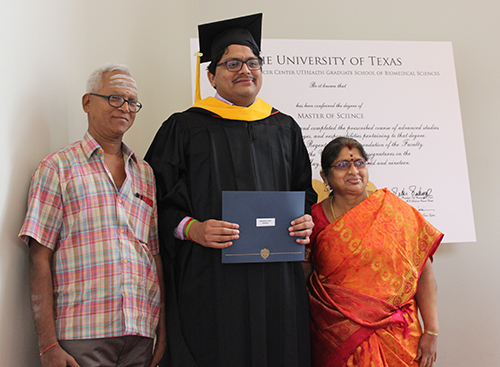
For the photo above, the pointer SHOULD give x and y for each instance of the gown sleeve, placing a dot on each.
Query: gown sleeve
(167, 155)
(302, 174)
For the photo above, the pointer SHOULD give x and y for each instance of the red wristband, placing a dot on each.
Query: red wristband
(50, 346)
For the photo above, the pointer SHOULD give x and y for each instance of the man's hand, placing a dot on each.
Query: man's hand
(42, 295)
(161, 330)
(302, 227)
(160, 347)
(57, 357)
(214, 233)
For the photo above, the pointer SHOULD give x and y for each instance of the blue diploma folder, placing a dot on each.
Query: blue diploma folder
(264, 218)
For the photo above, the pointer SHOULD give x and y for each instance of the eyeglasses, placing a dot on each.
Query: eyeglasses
(118, 101)
(236, 65)
(346, 165)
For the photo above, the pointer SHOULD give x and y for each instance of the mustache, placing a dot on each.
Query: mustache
(243, 76)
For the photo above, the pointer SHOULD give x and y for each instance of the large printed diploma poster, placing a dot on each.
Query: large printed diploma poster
(399, 99)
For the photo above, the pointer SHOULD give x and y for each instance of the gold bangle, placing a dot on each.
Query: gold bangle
(431, 333)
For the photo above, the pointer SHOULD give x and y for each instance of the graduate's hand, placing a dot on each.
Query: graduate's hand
(214, 233)
(302, 227)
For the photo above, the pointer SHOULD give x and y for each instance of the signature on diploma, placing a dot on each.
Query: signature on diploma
(413, 193)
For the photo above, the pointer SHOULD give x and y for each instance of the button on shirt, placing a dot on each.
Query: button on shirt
(104, 239)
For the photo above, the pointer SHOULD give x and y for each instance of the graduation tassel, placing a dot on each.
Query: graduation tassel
(197, 94)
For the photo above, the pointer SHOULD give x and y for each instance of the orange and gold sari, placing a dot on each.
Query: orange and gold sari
(361, 294)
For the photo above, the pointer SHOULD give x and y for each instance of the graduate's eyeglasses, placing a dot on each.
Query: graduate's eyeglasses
(118, 101)
(346, 165)
(236, 65)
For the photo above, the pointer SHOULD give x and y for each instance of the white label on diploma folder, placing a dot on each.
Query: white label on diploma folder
(266, 222)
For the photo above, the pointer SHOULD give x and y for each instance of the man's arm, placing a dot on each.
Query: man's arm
(219, 234)
(214, 233)
(161, 331)
(42, 304)
(302, 227)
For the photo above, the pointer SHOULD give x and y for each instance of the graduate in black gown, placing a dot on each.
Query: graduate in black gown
(229, 315)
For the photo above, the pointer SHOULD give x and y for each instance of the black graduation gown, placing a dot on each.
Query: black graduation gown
(228, 315)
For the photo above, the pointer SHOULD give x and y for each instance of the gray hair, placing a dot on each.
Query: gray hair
(95, 79)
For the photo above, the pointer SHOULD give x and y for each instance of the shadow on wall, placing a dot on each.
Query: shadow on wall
(30, 136)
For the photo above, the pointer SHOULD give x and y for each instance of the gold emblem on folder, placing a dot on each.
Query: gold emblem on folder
(264, 253)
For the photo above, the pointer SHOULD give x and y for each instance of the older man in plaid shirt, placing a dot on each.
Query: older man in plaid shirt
(91, 226)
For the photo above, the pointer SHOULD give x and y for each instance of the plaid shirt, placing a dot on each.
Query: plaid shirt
(104, 273)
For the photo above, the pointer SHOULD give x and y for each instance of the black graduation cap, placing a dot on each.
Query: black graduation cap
(214, 37)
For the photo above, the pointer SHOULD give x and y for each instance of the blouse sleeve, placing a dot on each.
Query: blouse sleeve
(320, 222)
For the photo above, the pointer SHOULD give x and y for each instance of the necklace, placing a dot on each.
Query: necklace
(333, 211)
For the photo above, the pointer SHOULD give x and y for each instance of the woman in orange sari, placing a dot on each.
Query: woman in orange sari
(370, 271)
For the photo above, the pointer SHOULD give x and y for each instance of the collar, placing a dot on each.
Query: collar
(220, 98)
(257, 111)
(90, 145)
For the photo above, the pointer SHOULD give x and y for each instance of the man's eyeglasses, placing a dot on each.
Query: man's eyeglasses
(118, 101)
(236, 65)
(346, 165)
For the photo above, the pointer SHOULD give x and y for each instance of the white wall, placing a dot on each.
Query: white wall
(48, 49)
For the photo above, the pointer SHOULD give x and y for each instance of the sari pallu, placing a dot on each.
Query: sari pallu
(367, 265)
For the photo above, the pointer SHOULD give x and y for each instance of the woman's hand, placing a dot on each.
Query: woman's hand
(427, 350)
(427, 304)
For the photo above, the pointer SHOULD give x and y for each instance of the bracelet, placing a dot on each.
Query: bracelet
(188, 226)
(431, 333)
(186, 220)
(46, 349)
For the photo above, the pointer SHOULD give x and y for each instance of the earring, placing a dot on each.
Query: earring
(325, 181)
